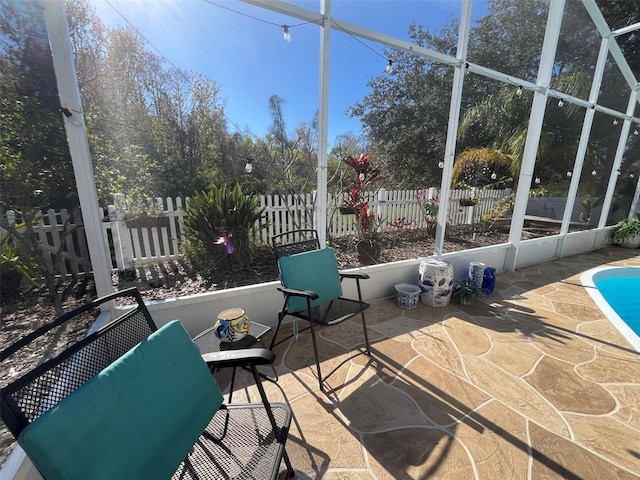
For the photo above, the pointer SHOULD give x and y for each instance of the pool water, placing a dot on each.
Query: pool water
(616, 292)
(623, 295)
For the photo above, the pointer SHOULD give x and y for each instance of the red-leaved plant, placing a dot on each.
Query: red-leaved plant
(365, 181)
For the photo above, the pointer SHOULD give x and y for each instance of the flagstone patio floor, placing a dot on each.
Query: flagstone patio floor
(531, 382)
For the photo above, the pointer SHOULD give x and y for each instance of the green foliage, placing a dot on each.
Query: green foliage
(627, 227)
(214, 218)
(474, 167)
(465, 292)
(500, 207)
(36, 169)
(364, 183)
(15, 262)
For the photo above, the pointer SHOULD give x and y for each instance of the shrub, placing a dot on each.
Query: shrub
(218, 225)
(627, 227)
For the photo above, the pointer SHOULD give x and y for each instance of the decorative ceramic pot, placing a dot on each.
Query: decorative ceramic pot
(232, 325)
(407, 295)
(436, 281)
(630, 241)
(476, 273)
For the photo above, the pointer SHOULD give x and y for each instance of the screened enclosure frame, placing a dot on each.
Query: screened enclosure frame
(541, 90)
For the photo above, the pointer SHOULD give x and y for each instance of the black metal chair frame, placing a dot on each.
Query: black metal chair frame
(40, 389)
(332, 313)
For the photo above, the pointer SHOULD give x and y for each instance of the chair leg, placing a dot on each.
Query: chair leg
(267, 405)
(315, 352)
(366, 335)
(281, 316)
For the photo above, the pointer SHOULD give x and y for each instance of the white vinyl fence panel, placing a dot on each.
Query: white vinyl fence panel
(154, 243)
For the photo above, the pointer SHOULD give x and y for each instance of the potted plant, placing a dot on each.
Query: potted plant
(466, 292)
(365, 182)
(468, 201)
(141, 211)
(627, 233)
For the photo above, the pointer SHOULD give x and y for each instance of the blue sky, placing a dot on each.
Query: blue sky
(244, 51)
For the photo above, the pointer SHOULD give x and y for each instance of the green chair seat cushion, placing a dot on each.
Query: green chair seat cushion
(138, 418)
(315, 270)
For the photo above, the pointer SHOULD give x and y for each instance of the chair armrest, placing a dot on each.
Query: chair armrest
(239, 358)
(356, 275)
(299, 293)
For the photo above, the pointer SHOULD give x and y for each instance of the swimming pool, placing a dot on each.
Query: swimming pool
(616, 291)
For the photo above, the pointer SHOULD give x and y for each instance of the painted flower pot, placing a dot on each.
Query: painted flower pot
(436, 281)
(232, 325)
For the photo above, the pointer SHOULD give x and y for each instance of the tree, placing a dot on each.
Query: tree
(36, 169)
(405, 117)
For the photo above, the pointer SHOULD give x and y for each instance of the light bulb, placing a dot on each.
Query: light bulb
(248, 167)
(494, 176)
(519, 91)
(615, 121)
(286, 34)
(560, 103)
(537, 180)
(594, 173)
(569, 173)
(636, 133)
(361, 176)
(389, 68)
(440, 164)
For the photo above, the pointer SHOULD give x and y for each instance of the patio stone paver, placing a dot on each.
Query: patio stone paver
(470, 339)
(515, 393)
(496, 454)
(532, 382)
(558, 383)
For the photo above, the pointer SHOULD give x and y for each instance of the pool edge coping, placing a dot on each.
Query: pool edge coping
(586, 278)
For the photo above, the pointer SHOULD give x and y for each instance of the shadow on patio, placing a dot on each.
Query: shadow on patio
(530, 382)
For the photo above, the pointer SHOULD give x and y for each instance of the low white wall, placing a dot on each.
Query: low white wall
(263, 302)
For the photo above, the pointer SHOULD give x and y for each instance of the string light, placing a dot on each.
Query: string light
(494, 175)
(594, 173)
(440, 164)
(248, 166)
(389, 68)
(615, 121)
(569, 173)
(560, 103)
(537, 180)
(519, 91)
(631, 175)
(286, 34)
(619, 172)
(362, 176)
(636, 133)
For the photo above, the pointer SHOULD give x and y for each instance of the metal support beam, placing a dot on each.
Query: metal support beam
(584, 139)
(617, 162)
(323, 124)
(538, 108)
(56, 21)
(452, 130)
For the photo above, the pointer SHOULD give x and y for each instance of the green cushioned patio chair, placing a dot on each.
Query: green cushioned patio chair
(130, 401)
(312, 289)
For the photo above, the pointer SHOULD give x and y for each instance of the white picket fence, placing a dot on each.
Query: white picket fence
(130, 245)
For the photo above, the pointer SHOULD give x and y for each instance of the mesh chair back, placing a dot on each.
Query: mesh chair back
(295, 241)
(40, 389)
